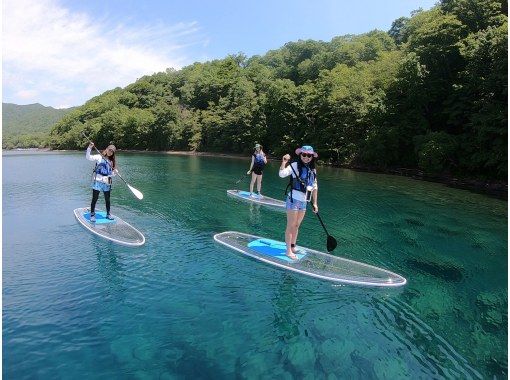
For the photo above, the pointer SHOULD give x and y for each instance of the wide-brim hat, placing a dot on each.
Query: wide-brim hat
(306, 149)
(112, 147)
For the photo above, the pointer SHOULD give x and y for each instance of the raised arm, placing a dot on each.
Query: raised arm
(92, 157)
(285, 170)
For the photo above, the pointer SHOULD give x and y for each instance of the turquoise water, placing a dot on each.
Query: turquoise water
(181, 306)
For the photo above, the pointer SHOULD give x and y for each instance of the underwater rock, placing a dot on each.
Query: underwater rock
(301, 355)
(335, 354)
(492, 309)
(392, 368)
(364, 366)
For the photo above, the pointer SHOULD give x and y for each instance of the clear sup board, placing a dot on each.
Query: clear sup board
(116, 230)
(310, 262)
(259, 199)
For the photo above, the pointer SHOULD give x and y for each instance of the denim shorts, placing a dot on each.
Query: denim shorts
(296, 205)
(101, 186)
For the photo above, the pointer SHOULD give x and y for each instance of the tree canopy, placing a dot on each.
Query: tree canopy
(431, 93)
(28, 125)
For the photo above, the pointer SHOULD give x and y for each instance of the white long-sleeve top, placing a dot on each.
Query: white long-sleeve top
(93, 157)
(297, 195)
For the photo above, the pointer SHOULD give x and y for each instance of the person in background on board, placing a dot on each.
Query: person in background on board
(102, 177)
(303, 189)
(258, 161)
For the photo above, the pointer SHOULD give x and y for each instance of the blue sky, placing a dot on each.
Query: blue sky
(60, 53)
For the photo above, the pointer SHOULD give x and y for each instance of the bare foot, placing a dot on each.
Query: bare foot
(292, 255)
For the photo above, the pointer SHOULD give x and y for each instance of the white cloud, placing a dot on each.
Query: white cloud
(54, 56)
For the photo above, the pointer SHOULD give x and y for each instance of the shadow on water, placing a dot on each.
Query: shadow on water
(109, 268)
(286, 319)
(444, 272)
(255, 216)
(414, 222)
(285, 322)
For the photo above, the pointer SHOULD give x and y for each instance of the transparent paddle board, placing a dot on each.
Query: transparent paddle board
(259, 199)
(310, 262)
(116, 230)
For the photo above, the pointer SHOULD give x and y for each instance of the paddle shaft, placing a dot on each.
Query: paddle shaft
(240, 179)
(323, 226)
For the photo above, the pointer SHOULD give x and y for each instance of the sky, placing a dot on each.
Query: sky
(60, 53)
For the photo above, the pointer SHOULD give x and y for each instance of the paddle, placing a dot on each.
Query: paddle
(331, 241)
(136, 193)
(240, 179)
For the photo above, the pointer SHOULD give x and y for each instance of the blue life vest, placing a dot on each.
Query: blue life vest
(104, 168)
(259, 160)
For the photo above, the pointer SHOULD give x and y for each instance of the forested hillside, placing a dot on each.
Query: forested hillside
(431, 93)
(29, 125)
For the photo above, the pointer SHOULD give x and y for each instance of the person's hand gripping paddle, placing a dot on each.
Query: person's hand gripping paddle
(137, 193)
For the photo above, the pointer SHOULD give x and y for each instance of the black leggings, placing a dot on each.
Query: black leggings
(95, 196)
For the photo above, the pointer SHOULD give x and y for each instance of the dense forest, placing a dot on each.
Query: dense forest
(28, 125)
(431, 93)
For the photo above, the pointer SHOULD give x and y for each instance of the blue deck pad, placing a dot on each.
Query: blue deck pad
(246, 194)
(276, 249)
(100, 218)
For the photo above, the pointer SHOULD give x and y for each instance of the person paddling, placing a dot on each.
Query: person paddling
(102, 177)
(258, 161)
(303, 189)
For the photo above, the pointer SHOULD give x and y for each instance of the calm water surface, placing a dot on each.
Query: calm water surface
(77, 306)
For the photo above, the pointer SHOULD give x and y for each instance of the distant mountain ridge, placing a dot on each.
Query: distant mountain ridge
(29, 119)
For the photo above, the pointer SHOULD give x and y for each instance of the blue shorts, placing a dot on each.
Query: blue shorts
(296, 205)
(101, 186)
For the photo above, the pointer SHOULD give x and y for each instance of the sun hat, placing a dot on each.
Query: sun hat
(306, 149)
(112, 148)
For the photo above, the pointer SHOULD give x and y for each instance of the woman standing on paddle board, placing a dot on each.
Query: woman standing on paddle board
(303, 189)
(258, 161)
(102, 177)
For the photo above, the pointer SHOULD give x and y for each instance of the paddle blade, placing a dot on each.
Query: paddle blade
(136, 192)
(331, 244)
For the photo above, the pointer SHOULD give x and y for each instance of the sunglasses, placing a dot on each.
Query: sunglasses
(306, 155)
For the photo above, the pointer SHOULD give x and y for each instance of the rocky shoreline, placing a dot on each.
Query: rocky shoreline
(495, 189)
